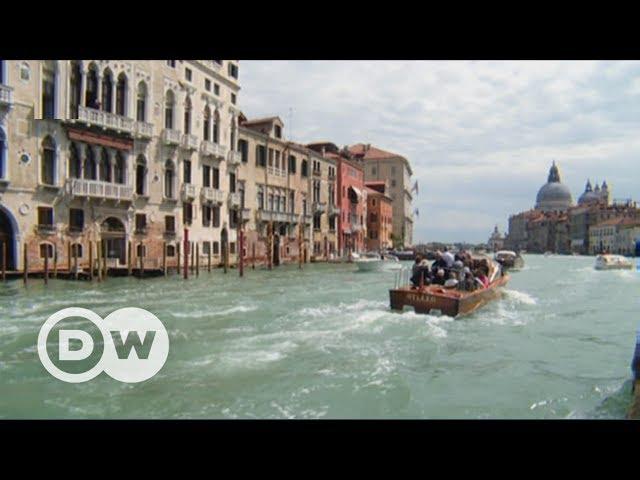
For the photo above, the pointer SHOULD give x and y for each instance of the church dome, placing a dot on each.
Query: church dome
(589, 196)
(553, 195)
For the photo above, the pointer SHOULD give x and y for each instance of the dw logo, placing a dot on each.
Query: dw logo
(136, 345)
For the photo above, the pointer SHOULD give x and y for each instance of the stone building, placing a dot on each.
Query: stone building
(379, 216)
(496, 240)
(380, 165)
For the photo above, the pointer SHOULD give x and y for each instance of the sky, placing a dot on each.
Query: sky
(480, 135)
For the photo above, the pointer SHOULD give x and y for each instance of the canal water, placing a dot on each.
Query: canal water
(321, 343)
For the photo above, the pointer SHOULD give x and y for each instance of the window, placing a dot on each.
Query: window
(216, 248)
(233, 70)
(45, 216)
(261, 155)
(216, 127)
(169, 180)
(76, 250)
(25, 72)
(232, 248)
(141, 102)
(91, 94)
(232, 182)
(206, 248)
(206, 124)
(292, 164)
(107, 90)
(186, 171)
(141, 175)
(243, 148)
(233, 219)
(121, 95)
(171, 251)
(46, 250)
(206, 215)
(206, 176)
(119, 169)
(171, 63)
(216, 89)
(316, 222)
(75, 93)
(207, 84)
(3, 154)
(141, 223)
(278, 131)
(187, 213)
(168, 109)
(141, 250)
(232, 136)
(170, 224)
(187, 74)
(260, 198)
(233, 98)
(216, 178)
(104, 168)
(90, 170)
(215, 211)
(393, 183)
(48, 91)
(373, 170)
(48, 166)
(304, 168)
(76, 219)
(292, 201)
(187, 115)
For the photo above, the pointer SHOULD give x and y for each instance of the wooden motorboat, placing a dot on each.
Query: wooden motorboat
(375, 262)
(448, 301)
(509, 260)
(613, 262)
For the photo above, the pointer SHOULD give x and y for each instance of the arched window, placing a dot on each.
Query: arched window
(121, 95)
(119, 168)
(74, 162)
(141, 175)
(141, 102)
(75, 90)
(48, 166)
(187, 116)
(91, 95)
(90, 170)
(233, 134)
(3, 154)
(216, 127)
(168, 110)
(46, 250)
(76, 250)
(48, 89)
(169, 176)
(104, 169)
(107, 90)
(207, 123)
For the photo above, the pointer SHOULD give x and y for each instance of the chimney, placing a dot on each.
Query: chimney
(323, 150)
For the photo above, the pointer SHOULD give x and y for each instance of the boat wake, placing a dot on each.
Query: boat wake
(520, 297)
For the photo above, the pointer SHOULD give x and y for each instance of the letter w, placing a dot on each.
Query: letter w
(142, 348)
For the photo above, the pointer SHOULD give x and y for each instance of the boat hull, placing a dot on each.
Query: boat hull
(448, 302)
(512, 264)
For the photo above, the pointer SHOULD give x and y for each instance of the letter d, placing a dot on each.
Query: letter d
(87, 345)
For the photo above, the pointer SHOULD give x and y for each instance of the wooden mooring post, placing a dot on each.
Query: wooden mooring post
(197, 259)
(129, 260)
(69, 258)
(46, 265)
(25, 265)
(75, 262)
(186, 254)
(141, 259)
(4, 261)
(98, 260)
(241, 253)
(55, 261)
(104, 259)
(164, 258)
(253, 255)
(91, 260)
(178, 258)
(209, 260)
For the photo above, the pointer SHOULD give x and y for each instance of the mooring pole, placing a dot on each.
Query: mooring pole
(241, 253)
(141, 259)
(69, 258)
(164, 258)
(55, 261)
(270, 244)
(186, 253)
(178, 253)
(197, 259)
(253, 256)
(300, 246)
(25, 264)
(98, 261)
(75, 262)
(129, 260)
(91, 260)
(4, 261)
(209, 260)
(104, 259)
(225, 255)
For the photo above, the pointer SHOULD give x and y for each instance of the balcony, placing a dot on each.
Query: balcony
(91, 116)
(267, 216)
(188, 191)
(334, 210)
(212, 149)
(278, 172)
(46, 228)
(234, 158)
(319, 207)
(234, 200)
(246, 214)
(6, 96)
(190, 142)
(171, 137)
(317, 173)
(141, 230)
(80, 187)
(144, 129)
(212, 195)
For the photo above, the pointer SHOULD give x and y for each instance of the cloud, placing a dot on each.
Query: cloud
(480, 135)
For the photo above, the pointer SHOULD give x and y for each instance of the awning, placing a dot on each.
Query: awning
(96, 139)
(357, 192)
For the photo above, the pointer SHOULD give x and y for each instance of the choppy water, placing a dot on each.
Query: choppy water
(321, 343)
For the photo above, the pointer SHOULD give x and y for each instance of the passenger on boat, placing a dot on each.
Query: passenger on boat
(420, 270)
(448, 258)
(482, 278)
(439, 278)
(466, 281)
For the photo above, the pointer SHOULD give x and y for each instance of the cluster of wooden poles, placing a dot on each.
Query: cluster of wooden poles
(98, 265)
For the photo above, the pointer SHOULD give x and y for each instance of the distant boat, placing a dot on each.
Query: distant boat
(375, 262)
(449, 301)
(403, 254)
(613, 262)
(548, 254)
(509, 260)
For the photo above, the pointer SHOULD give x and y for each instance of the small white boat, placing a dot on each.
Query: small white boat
(509, 259)
(375, 262)
(614, 262)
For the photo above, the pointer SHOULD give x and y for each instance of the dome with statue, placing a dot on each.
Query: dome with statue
(553, 195)
(592, 196)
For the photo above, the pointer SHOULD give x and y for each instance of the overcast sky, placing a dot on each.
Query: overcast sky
(480, 136)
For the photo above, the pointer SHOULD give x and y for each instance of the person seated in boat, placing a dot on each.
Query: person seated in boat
(482, 278)
(420, 269)
(448, 258)
(466, 282)
(439, 278)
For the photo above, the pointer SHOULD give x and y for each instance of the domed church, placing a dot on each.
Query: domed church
(554, 196)
(592, 196)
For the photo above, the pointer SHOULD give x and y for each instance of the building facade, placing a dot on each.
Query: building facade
(379, 217)
(380, 165)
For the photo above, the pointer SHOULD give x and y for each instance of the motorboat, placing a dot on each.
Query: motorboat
(613, 262)
(375, 262)
(404, 254)
(509, 260)
(434, 299)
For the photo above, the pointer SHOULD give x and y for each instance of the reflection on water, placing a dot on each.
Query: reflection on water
(321, 343)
